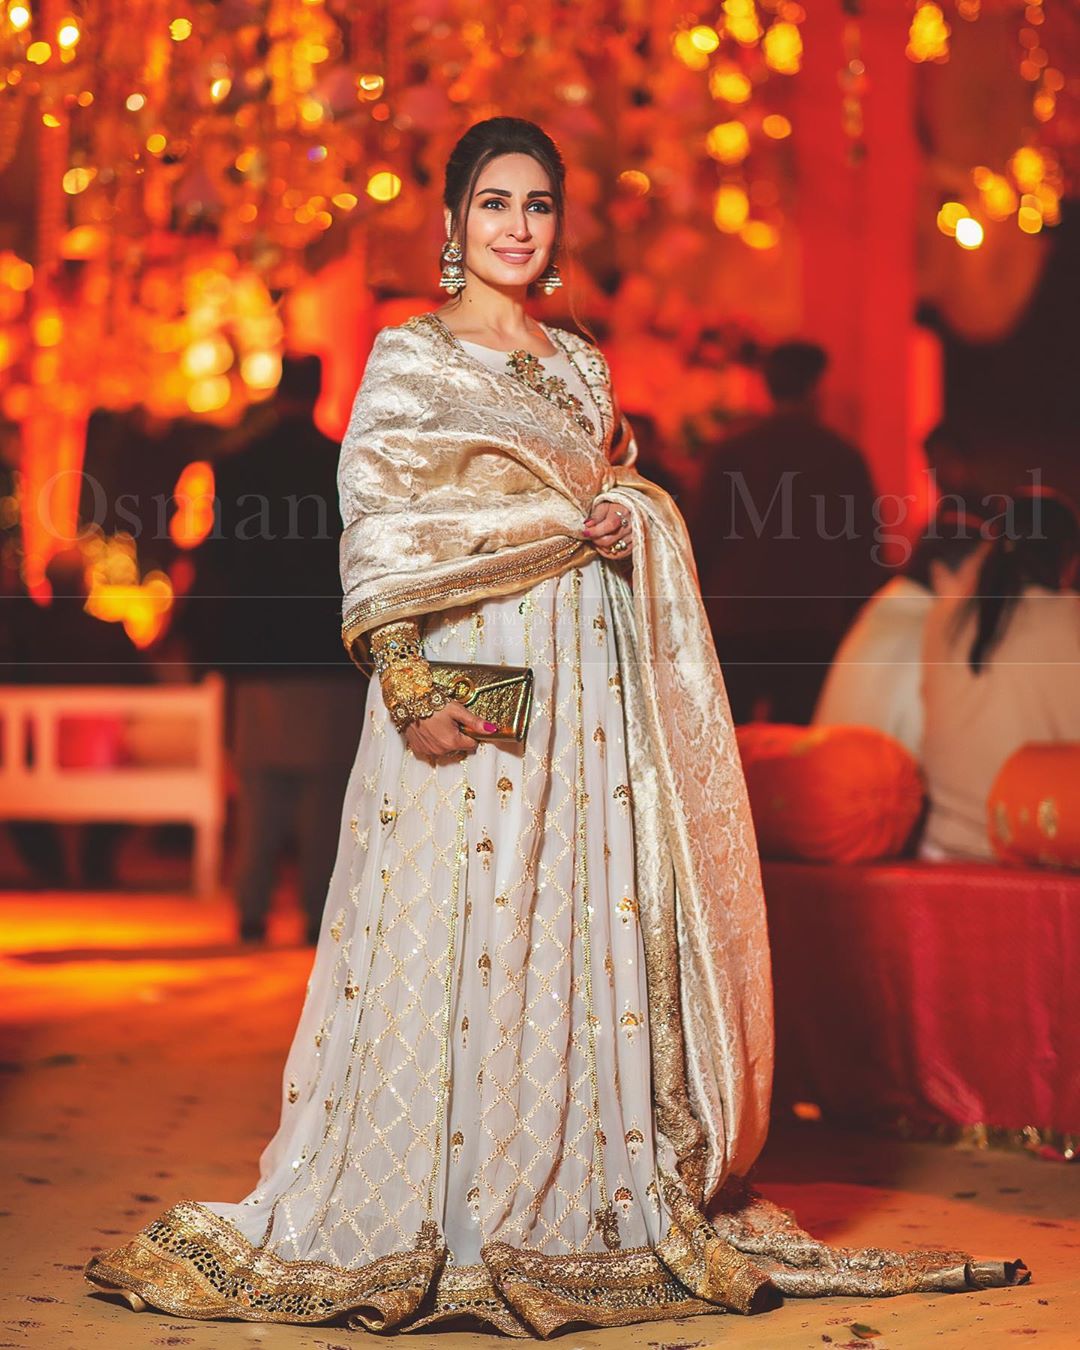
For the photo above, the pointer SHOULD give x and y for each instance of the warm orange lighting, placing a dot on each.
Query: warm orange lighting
(370, 87)
(261, 370)
(741, 21)
(50, 120)
(730, 84)
(682, 44)
(729, 142)
(948, 215)
(311, 111)
(345, 201)
(219, 88)
(18, 17)
(48, 327)
(1030, 216)
(806, 1110)
(383, 186)
(15, 272)
(759, 234)
(775, 126)
(207, 356)
(77, 180)
(998, 197)
(635, 182)
(209, 395)
(194, 495)
(38, 53)
(1049, 203)
(1044, 105)
(783, 48)
(704, 38)
(1028, 168)
(134, 102)
(180, 30)
(731, 208)
(969, 233)
(156, 143)
(67, 35)
(85, 98)
(928, 37)
(83, 242)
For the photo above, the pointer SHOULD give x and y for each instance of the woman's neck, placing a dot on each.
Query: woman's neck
(494, 318)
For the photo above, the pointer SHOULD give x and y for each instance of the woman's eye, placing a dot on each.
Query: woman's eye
(544, 208)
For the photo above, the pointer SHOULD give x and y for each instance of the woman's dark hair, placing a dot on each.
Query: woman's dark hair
(953, 535)
(484, 142)
(1038, 545)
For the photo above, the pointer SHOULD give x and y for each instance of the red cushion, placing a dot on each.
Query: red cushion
(829, 794)
(1034, 805)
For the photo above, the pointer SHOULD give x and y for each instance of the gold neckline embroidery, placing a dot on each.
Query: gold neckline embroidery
(529, 369)
(533, 379)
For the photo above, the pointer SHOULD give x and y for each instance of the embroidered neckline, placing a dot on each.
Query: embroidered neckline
(529, 369)
(535, 380)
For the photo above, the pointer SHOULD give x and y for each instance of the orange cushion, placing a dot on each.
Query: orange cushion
(1034, 805)
(829, 794)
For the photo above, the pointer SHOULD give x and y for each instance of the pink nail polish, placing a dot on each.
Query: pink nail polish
(491, 726)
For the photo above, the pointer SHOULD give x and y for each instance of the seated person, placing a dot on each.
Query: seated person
(1000, 668)
(874, 679)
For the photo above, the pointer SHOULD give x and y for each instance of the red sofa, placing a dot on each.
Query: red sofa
(939, 994)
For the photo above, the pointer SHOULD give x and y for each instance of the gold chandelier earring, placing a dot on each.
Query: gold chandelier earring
(549, 279)
(453, 274)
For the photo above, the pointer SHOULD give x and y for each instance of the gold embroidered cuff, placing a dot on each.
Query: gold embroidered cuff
(405, 676)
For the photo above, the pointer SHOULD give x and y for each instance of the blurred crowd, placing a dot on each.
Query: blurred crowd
(963, 644)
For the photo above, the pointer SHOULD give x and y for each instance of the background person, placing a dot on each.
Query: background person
(1000, 668)
(875, 679)
(783, 533)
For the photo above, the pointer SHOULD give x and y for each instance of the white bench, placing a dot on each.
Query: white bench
(192, 791)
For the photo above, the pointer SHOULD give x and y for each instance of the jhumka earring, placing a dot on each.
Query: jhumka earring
(549, 279)
(453, 274)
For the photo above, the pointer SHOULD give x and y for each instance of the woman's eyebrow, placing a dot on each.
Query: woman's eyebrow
(503, 192)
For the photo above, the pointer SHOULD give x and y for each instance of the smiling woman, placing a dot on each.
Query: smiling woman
(534, 1062)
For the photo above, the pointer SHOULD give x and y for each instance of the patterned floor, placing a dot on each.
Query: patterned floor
(141, 1053)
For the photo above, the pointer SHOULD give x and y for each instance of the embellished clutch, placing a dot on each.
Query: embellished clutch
(499, 694)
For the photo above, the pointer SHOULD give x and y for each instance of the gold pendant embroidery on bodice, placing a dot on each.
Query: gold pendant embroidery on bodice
(530, 370)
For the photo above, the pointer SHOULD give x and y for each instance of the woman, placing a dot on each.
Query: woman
(875, 678)
(537, 1044)
(1001, 668)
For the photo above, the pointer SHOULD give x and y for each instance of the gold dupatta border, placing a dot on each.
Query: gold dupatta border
(474, 580)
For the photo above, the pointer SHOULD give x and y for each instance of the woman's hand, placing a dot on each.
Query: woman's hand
(441, 737)
(608, 528)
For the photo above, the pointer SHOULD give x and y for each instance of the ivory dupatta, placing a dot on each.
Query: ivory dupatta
(459, 483)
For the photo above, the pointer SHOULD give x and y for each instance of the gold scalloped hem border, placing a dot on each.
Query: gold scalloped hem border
(192, 1263)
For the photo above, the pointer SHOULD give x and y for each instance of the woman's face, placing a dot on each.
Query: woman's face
(511, 222)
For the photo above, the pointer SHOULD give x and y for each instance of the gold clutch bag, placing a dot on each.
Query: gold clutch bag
(499, 694)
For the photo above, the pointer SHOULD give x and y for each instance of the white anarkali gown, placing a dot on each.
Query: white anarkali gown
(468, 1124)
(481, 931)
